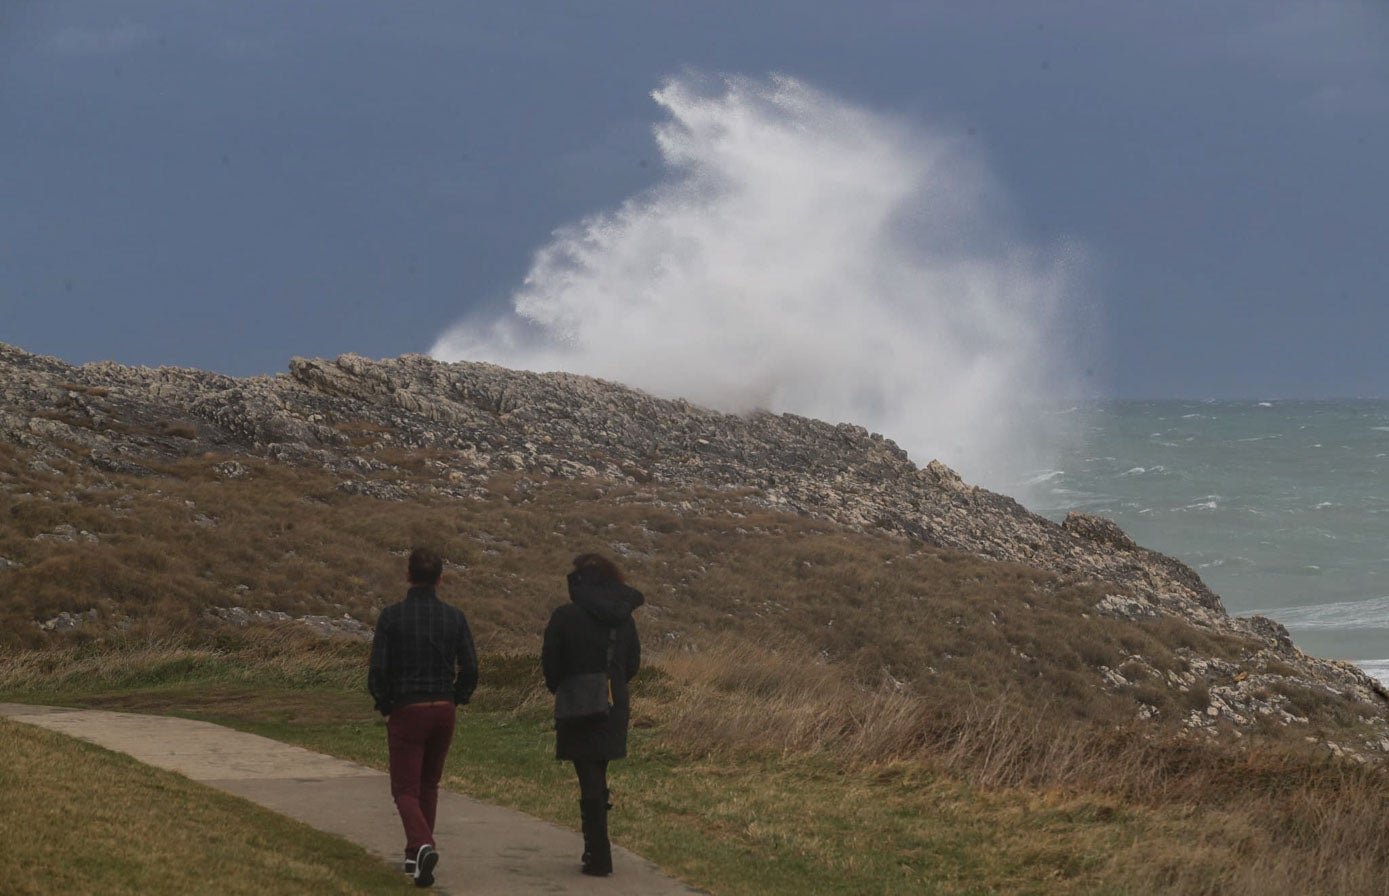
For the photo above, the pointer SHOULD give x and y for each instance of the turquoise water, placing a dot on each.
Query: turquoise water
(1282, 507)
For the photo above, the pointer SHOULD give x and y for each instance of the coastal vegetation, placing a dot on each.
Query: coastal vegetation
(822, 710)
(830, 796)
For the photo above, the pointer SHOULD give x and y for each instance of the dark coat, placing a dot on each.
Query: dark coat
(576, 641)
(422, 651)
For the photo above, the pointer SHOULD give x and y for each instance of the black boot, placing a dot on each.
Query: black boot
(598, 857)
(587, 829)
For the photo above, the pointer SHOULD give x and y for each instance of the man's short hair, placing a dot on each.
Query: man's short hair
(426, 567)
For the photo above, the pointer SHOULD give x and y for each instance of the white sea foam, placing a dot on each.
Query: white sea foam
(1227, 563)
(806, 255)
(1372, 613)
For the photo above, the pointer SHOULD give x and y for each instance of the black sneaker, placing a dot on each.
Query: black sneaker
(425, 860)
(409, 867)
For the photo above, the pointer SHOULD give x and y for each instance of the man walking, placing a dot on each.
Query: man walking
(422, 665)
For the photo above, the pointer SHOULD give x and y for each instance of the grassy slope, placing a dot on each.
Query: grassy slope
(716, 572)
(79, 819)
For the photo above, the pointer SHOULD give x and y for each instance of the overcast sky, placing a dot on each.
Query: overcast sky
(227, 185)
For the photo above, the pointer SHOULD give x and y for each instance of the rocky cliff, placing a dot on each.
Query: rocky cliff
(353, 415)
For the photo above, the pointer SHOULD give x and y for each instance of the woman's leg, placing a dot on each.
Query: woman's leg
(593, 777)
(593, 808)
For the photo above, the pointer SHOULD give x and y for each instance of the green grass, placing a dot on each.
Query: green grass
(79, 819)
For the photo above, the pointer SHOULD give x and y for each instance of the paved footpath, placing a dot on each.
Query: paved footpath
(485, 850)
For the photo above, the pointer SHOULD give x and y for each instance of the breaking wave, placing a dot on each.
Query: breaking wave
(803, 254)
(1354, 614)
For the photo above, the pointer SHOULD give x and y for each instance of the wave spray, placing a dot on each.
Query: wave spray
(805, 255)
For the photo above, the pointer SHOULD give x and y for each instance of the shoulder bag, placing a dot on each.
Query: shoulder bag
(586, 696)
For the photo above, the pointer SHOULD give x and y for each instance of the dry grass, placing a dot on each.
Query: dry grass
(277, 656)
(1258, 819)
(717, 571)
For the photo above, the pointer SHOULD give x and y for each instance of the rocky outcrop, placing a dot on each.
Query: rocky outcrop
(328, 626)
(351, 415)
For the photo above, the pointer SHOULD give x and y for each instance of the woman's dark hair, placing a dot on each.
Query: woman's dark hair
(597, 568)
(425, 567)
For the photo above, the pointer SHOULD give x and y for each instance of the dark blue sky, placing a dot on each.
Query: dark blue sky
(226, 185)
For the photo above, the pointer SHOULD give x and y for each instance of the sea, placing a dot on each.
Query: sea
(1281, 506)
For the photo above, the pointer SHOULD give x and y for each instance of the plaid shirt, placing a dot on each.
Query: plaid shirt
(423, 650)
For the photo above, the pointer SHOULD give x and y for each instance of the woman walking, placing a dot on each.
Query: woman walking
(594, 633)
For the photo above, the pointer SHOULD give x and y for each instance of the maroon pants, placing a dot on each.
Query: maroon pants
(418, 735)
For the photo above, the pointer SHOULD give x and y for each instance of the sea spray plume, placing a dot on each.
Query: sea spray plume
(804, 255)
